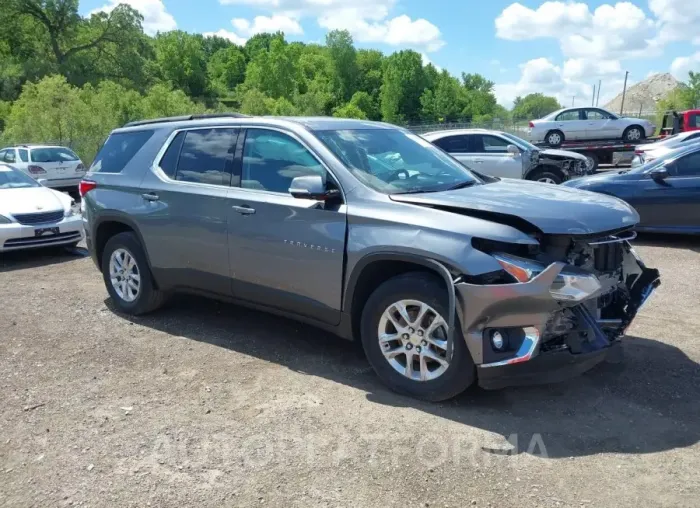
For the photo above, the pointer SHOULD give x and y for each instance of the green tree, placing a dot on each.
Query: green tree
(261, 42)
(226, 69)
(77, 47)
(365, 103)
(272, 72)
(180, 60)
(161, 101)
(444, 104)
(349, 111)
(479, 99)
(344, 62)
(254, 102)
(402, 87)
(47, 111)
(533, 106)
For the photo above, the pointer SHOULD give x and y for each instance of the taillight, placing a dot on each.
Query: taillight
(638, 152)
(532, 125)
(86, 186)
(80, 167)
(36, 170)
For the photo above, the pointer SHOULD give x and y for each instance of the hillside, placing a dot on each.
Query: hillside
(644, 94)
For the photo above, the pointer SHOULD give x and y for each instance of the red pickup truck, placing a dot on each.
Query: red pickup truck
(675, 122)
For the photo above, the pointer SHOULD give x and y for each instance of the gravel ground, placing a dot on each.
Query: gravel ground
(207, 404)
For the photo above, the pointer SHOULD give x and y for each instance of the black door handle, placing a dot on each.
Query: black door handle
(150, 196)
(244, 210)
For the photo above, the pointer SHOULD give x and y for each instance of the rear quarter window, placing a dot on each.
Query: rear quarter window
(52, 154)
(118, 150)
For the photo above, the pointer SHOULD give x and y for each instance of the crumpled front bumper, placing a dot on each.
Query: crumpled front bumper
(529, 306)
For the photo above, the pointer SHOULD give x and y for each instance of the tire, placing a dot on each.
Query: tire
(545, 176)
(592, 163)
(633, 133)
(148, 297)
(428, 289)
(554, 138)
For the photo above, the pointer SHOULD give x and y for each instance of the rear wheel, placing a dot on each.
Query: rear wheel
(404, 335)
(554, 138)
(127, 276)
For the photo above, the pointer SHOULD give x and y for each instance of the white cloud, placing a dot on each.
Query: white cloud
(225, 34)
(155, 16)
(611, 31)
(684, 64)
(366, 20)
(398, 31)
(580, 68)
(271, 24)
(678, 19)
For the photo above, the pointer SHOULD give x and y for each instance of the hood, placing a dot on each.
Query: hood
(562, 154)
(32, 200)
(550, 208)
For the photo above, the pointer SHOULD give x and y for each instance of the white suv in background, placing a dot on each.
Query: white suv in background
(57, 166)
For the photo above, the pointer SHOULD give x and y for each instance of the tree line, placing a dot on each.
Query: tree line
(70, 79)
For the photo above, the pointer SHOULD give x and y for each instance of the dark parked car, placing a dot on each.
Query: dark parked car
(447, 278)
(665, 192)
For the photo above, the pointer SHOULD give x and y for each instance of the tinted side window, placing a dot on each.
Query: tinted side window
(693, 120)
(271, 160)
(454, 144)
(169, 161)
(23, 155)
(118, 150)
(490, 144)
(688, 165)
(596, 114)
(10, 155)
(567, 116)
(206, 156)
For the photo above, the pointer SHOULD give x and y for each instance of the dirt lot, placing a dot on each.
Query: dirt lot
(206, 404)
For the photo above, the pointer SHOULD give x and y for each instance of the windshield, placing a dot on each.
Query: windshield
(520, 143)
(53, 155)
(394, 162)
(11, 178)
(662, 160)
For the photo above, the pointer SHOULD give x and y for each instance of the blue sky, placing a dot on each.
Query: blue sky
(558, 47)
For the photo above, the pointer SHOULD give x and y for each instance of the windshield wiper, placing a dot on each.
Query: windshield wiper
(462, 185)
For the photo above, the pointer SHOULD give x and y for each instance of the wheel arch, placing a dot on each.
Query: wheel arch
(109, 225)
(374, 269)
(545, 167)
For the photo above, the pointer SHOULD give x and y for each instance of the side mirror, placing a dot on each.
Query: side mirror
(659, 174)
(513, 150)
(309, 187)
(42, 181)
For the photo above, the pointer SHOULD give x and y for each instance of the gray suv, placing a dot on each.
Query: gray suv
(446, 276)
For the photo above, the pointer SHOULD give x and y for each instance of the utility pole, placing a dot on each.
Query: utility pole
(624, 91)
(597, 101)
(573, 100)
(593, 97)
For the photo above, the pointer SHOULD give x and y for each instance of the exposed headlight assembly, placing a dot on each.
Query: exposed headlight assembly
(572, 284)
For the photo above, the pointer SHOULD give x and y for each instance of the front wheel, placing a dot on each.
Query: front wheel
(633, 134)
(404, 335)
(127, 276)
(545, 176)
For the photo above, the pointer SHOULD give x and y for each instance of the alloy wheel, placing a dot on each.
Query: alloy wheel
(124, 275)
(413, 338)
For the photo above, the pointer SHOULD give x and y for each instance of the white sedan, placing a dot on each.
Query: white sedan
(577, 124)
(32, 215)
(649, 152)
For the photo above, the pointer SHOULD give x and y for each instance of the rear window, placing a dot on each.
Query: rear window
(53, 155)
(118, 150)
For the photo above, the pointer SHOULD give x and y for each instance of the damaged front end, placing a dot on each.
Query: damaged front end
(554, 312)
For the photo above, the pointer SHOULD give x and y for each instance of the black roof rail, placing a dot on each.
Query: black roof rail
(184, 118)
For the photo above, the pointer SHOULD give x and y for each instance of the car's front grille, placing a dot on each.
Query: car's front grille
(30, 219)
(36, 241)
